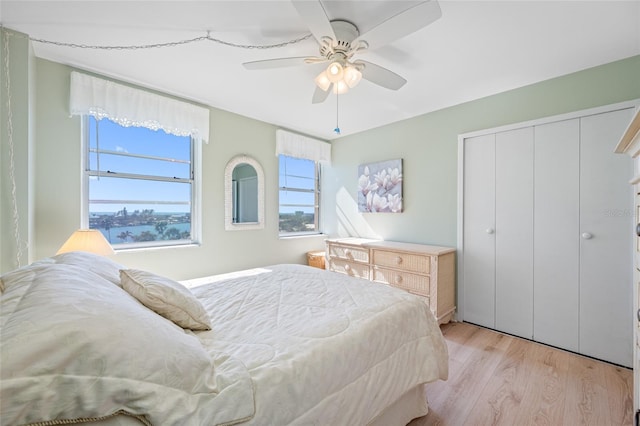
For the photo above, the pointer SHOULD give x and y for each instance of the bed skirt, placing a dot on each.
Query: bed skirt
(411, 405)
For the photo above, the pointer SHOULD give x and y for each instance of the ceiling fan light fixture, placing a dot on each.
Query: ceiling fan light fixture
(335, 72)
(352, 76)
(340, 87)
(322, 81)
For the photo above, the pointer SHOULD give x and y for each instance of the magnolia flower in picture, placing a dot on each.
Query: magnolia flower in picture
(365, 185)
(394, 202)
(380, 187)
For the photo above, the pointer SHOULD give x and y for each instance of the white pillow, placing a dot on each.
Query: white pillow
(168, 298)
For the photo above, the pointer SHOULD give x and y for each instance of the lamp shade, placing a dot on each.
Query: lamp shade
(352, 76)
(90, 240)
(322, 81)
(340, 87)
(335, 72)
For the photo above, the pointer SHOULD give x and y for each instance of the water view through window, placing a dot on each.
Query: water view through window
(140, 184)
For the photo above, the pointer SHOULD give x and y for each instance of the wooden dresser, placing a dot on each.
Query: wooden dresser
(426, 271)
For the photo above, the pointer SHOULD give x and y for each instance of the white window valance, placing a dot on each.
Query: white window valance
(128, 106)
(295, 145)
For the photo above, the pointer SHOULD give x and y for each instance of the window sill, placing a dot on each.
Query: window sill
(294, 236)
(149, 248)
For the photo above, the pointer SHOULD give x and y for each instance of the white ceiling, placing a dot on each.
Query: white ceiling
(477, 48)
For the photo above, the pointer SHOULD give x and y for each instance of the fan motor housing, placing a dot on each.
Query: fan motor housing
(345, 33)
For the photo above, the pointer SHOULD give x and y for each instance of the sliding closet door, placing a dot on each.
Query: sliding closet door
(606, 226)
(514, 232)
(479, 230)
(556, 230)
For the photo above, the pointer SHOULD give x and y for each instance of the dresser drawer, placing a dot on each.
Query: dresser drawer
(406, 261)
(350, 268)
(345, 252)
(418, 284)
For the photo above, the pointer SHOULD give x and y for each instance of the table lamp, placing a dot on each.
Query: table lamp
(90, 240)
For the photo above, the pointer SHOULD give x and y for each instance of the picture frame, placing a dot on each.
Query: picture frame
(380, 187)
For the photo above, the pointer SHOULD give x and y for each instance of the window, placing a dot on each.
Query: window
(299, 181)
(139, 184)
(141, 162)
(299, 196)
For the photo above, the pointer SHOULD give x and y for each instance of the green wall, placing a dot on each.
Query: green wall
(428, 145)
(16, 250)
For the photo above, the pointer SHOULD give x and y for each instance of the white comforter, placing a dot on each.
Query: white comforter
(321, 348)
(289, 344)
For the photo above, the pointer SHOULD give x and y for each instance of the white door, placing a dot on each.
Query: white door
(479, 230)
(558, 208)
(606, 236)
(514, 232)
(557, 224)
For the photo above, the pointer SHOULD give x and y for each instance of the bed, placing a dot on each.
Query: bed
(85, 339)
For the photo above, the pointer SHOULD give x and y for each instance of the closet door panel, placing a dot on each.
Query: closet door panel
(479, 225)
(606, 226)
(514, 232)
(556, 229)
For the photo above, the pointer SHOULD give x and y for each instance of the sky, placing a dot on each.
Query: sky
(295, 172)
(135, 194)
(141, 141)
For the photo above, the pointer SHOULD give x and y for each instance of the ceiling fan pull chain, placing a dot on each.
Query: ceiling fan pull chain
(337, 129)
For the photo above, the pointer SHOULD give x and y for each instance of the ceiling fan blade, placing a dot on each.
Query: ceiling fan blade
(402, 24)
(381, 76)
(320, 95)
(275, 63)
(315, 60)
(313, 14)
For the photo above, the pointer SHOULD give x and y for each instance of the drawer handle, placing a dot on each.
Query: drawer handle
(638, 230)
(347, 253)
(347, 268)
(398, 279)
(398, 260)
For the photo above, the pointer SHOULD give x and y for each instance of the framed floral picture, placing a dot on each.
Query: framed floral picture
(380, 187)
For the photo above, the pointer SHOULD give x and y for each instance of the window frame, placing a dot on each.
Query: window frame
(317, 199)
(196, 192)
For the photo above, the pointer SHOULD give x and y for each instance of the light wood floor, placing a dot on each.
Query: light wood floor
(496, 379)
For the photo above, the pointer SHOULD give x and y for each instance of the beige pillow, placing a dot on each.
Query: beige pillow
(168, 298)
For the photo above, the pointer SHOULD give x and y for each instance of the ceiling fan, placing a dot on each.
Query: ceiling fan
(340, 41)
